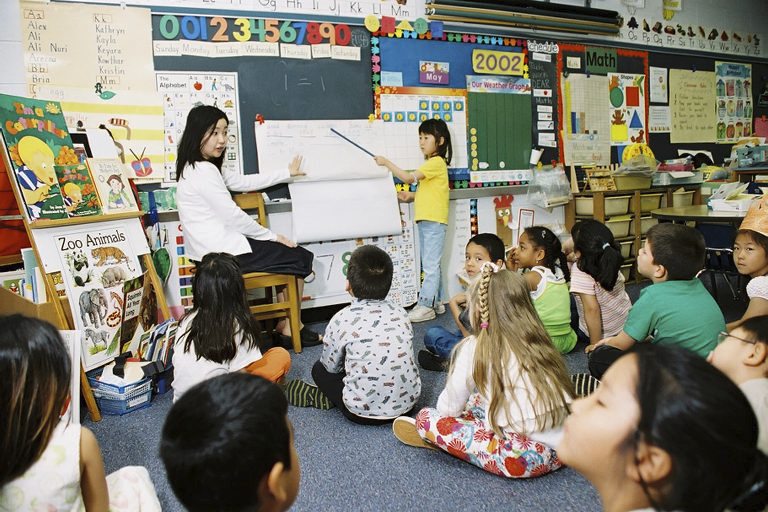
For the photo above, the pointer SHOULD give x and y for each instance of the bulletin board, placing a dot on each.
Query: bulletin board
(660, 142)
(277, 88)
(399, 62)
(572, 60)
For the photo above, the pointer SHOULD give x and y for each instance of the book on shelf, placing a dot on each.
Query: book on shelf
(111, 180)
(77, 190)
(36, 139)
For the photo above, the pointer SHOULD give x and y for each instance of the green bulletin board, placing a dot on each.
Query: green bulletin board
(499, 112)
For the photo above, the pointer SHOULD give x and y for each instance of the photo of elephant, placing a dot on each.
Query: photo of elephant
(93, 307)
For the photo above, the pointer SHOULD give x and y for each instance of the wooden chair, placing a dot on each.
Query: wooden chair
(290, 307)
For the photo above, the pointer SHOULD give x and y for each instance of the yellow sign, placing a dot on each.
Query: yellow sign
(491, 62)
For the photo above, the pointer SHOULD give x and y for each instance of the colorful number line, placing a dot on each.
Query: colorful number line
(224, 30)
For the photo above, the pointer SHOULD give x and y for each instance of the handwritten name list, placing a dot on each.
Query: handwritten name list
(80, 46)
(692, 102)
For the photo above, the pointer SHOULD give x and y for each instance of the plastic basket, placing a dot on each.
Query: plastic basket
(118, 400)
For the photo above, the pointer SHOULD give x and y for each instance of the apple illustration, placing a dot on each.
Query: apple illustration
(197, 86)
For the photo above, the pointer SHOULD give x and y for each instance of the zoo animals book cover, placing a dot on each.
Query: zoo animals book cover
(96, 263)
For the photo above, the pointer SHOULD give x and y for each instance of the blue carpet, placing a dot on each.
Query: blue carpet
(346, 466)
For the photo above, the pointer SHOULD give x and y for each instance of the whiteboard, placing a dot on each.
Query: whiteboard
(328, 156)
(335, 210)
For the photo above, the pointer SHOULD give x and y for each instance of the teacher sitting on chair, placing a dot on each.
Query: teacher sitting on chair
(211, 220)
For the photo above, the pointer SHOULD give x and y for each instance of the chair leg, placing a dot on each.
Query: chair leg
(292, 296)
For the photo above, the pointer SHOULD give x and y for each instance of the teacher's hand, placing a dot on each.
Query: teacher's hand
(295, 166)
(285, 241)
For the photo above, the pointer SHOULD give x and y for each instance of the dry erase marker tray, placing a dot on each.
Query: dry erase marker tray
(118, 400)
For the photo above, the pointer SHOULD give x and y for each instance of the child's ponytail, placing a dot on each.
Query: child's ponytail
(554, 258)
(599, 254)
(487, 269)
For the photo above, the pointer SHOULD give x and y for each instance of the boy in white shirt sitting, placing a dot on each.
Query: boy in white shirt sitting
(742, 355)
(367, 368)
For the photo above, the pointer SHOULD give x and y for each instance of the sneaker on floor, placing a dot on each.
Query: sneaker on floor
(421, 314)
(405, 431)
(440, 308)
(303, 394)
(432, 362)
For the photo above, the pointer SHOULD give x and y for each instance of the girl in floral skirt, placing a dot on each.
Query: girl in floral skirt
(504, 384)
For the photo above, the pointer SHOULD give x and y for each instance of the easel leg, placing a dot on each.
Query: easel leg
(90, 402)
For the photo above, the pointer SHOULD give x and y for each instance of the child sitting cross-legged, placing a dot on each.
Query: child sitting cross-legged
(367, 368)
(742, 355)
(676, 309)
(438, 340)
(540, 254)
(219, 335)
(227, 444)
(504, 385)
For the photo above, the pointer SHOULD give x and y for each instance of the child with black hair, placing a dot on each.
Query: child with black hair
(430, 210)
(219, 335)
(227, 444)
(676, 309)
(367, 368)
(596, 281)
(48, 463)
(666, 431)
(540, 252)
(438, 340)
(750, 255)
(742, 354)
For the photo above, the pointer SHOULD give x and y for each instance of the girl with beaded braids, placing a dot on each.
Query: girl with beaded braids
(505, 384)
(540, 254)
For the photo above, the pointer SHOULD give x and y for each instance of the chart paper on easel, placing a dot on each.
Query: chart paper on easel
(333, 210)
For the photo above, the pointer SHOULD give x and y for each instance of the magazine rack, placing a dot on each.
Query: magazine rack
(63, 321)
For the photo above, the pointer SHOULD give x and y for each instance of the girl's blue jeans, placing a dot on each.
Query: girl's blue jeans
(431, 241)
(440, 341)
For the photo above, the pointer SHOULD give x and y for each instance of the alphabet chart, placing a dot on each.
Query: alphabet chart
(183, 90)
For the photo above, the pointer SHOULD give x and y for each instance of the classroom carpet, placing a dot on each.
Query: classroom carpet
(345, 466)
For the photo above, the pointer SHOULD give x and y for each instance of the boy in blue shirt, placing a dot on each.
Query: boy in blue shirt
(676, 309)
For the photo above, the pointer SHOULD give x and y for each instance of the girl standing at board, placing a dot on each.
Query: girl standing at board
(211, 220)
(431, 205)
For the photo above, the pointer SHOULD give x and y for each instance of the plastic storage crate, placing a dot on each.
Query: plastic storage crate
(118, 400)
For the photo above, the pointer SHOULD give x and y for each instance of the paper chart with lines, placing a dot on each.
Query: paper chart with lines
(183, 90)
(586, 120)
(403, 109)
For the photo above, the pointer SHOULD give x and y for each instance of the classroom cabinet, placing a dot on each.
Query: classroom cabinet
(627, 213)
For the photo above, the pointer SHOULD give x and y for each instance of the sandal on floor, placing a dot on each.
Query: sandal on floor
(303, 394)
(309, 338)
(405, 431)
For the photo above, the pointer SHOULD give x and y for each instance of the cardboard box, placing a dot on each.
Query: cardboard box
(11, 303)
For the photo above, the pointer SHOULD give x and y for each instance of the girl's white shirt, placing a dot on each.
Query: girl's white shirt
(460, 385)
(188, 370)
(210, 218)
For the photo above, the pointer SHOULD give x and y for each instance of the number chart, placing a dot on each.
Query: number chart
(224, 30)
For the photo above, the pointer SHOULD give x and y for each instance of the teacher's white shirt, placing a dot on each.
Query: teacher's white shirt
(210, 218)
